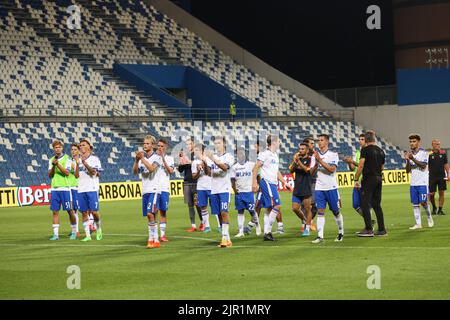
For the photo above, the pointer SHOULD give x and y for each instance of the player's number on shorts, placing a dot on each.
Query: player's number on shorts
(251, 206)
(68, 204)
(224, 206)
(424, 197)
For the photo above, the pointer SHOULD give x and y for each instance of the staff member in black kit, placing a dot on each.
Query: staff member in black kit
(190, 185)
(439, 173)
(371, 165)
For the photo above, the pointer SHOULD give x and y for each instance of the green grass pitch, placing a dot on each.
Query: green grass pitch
(413, 264)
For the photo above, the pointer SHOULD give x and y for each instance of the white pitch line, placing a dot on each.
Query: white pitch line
(143, 235)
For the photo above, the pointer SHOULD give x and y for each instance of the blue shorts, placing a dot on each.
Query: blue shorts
(329, 196)
(163, 201)
(149, 203)
(88, 201)
(419, 194)
(60, 198)
(219, 202)
(75, 205)
(269, 195)
(244, 200)
(299, 200)
(202, 198)
(356, 198)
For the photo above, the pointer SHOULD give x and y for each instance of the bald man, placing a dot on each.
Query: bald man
(439, 174)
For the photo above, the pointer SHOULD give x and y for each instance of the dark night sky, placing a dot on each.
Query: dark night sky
(322, 43)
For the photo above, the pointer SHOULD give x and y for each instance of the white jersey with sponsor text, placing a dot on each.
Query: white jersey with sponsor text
(150, 183)
(270, 166)
(87, 183)
(419, 177)
(325, 179)
(220, 179)
(203, 181)
(242, 173)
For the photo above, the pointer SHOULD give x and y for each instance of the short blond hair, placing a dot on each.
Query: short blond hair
(57, 142)
(151, 138)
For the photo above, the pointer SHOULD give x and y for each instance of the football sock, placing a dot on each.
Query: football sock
(155, 232)
(205, 218)
(340, 223)
(162, 228)
(416, 210)
(55, 230)
(86, 225)
(241, 221)
(74, 228)
(150, 231)
(225, 233)
(272, 218)
(320, 225)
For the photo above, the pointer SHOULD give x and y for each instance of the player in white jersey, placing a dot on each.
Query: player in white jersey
(166, 168)
(417, 164)
(327, 189)
(241, 181)
(268, 162)
(199, 169)
(219, 169)
(90, 168)
(147, 164)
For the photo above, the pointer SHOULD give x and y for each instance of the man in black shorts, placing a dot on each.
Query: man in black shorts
(190, 185)
(302, 167)
(439, 173)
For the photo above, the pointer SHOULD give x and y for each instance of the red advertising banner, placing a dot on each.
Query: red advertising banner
(33, 196)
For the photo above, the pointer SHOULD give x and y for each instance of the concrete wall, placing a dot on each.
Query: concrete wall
(396, 123)
(242, 56)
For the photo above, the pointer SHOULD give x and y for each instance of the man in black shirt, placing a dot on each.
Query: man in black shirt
(310, 142)
(439, 173)
(189, 184)
(302, 166)
(371, 165)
